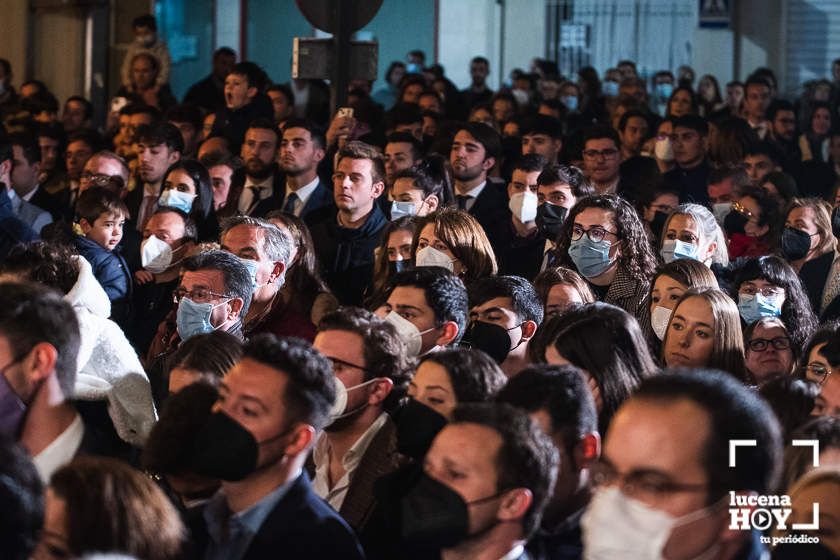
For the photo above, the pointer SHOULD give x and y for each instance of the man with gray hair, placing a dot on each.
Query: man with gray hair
(265, 250)
(214, 294)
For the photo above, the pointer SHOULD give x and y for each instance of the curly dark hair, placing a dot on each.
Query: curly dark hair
(475, 376)
(797, 315)
(384, 351)
(771, 213)
(636, 258)
(50, 264)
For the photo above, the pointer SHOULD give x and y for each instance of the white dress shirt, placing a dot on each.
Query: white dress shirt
(321, 456)
(246, 199)
(472, 194)
(61, 451)
(302, 194)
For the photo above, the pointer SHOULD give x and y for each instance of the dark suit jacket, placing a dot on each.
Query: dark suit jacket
(302, 525)
(491, 211)
(321, 197)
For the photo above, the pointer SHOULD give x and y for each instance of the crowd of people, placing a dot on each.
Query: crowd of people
(476, 324)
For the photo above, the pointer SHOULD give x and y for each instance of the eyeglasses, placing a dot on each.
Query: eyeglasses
(645, 487)
(340, 365)
(766, 291)
(760, 344)
(818, 370)
(595, 233)
(606, 154)
(198, 295)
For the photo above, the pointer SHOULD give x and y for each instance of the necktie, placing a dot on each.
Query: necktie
(462, 200)
(291, 201)
(255, 198)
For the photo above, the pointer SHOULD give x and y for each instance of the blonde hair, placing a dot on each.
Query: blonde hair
(822, 221)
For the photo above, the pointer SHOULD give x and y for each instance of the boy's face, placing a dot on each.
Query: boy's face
(107, 230)
(237, 91)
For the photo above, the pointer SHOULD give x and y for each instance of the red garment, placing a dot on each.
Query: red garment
(283, 320)
(741, 245)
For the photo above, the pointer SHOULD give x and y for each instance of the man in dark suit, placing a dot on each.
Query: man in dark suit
(272, 404)
(301, 150)
(257, 187)
(475, 149)
(360, 443)
(505, 466)
(27, 167)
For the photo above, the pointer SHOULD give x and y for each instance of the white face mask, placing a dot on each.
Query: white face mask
(663, 150)
(523, 205)
(339, 408)
(155, 255)
(400, 209)
(616, 527)
(408, 332)
(720, 210)
(429, 256)
(659, 321)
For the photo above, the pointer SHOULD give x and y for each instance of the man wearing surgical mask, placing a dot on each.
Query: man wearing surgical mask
(265, 250)
(665, 481)
(522, 254)
(485, 481)
(505, 312)
(428, 306)
(271, 406)
(168, 237)
(359, 443)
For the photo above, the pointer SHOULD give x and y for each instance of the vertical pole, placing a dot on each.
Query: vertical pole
(340, 75)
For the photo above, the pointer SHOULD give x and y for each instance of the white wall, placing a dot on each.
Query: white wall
(524, 34)
(468, 28)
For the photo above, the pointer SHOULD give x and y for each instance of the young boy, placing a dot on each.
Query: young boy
(102, 215)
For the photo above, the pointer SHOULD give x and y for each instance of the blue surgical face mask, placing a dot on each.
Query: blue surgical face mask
(754, 307)
(673, 249)
(177, 199)
(194, 318)
(571, 102)
(590, 257)
(609, 88)
(664, 91)
(400, 209)
(252, 266)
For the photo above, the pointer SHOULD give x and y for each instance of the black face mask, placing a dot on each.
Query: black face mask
(225, 449)
(398, 266)
(734, 223)
(550, 218)
(434, 516)
(491, 339)
(417, 426)
(835, 222)
(795, 244)
(656, 225)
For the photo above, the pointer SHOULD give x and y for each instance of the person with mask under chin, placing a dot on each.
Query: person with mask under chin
(359, 444)
(505, 312)
(271, 407)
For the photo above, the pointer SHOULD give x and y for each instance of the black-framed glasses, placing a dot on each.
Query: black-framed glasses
(609, 153)
(595, 233)
(339, 365)
(760, 344)
(198, 295)
(818, 370)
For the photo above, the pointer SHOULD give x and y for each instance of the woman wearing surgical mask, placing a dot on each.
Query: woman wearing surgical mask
(456, 241)
(607, 344)
(691, 232)
(421, 190)
(769, 352)
(681, 103)
(393, 255)
(753, 225)
(704, 332)
(769, 287)
(604, 240)
(672, 280)
(186, 186)
(304, 288)
(808, 237)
